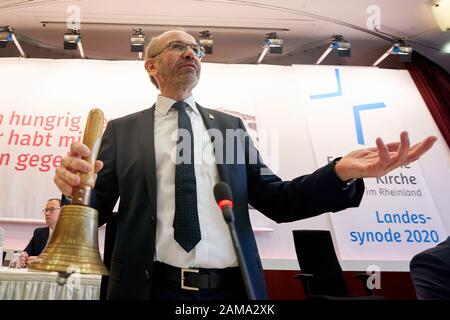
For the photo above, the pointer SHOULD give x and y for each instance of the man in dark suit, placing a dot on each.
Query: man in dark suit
(172, 241)
(41, 235)
(430, 272)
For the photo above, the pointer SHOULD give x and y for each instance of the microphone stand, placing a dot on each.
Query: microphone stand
(228, 215)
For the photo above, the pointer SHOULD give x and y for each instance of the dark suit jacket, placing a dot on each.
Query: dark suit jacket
(430, 272)
(128, 153)
(38, 241)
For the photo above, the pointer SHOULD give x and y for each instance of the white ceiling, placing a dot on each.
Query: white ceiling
(238, 27)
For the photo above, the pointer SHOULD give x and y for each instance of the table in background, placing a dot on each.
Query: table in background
(24, 284)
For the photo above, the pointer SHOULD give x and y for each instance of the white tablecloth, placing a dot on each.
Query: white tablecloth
(24, 284)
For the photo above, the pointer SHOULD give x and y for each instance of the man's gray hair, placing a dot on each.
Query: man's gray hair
(152, 47)
(152, 50)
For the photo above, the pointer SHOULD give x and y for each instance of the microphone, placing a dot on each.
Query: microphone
(224, 199)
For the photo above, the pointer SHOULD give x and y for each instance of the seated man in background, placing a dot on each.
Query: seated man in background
(41, 235)
(430, 272)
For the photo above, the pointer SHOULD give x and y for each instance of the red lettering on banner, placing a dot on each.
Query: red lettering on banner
(48, 132)
(46, 122)
(66, 141)
(4, 159)
(43, 163)
(32, 140)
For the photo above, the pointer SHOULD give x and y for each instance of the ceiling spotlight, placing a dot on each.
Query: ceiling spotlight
(72, 41)
(403, 50)
(272, 44)
(71, 38)
(206, 41)
(6, 35)
(137, 40)
(342, 46)
(441, 12)
(400, 48)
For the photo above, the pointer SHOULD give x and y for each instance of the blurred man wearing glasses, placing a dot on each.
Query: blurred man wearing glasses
(42, 235)
(172, 241)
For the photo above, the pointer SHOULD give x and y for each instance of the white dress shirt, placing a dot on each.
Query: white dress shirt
(215, 249)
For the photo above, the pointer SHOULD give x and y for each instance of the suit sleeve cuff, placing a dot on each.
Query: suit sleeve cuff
(65, 200)
(349, 186)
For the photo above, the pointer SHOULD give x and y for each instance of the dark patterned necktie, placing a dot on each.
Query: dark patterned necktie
(185, 223)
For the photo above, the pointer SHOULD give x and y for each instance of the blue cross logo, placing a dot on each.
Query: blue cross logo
(356, 109)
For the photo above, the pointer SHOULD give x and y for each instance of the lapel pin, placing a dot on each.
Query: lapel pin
(210, 116)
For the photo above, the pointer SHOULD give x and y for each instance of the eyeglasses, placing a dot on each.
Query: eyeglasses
(51, 209)
(180, 46)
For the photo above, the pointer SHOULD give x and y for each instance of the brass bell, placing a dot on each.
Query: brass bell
(73, 246)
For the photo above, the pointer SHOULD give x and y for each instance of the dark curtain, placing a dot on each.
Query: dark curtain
(434, 85)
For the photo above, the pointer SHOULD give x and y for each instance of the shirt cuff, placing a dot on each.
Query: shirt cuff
(348, 186)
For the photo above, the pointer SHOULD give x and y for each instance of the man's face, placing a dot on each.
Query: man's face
(52, 209)
(173, 67)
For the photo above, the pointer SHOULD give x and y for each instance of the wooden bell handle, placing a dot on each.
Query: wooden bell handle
(92, 138)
